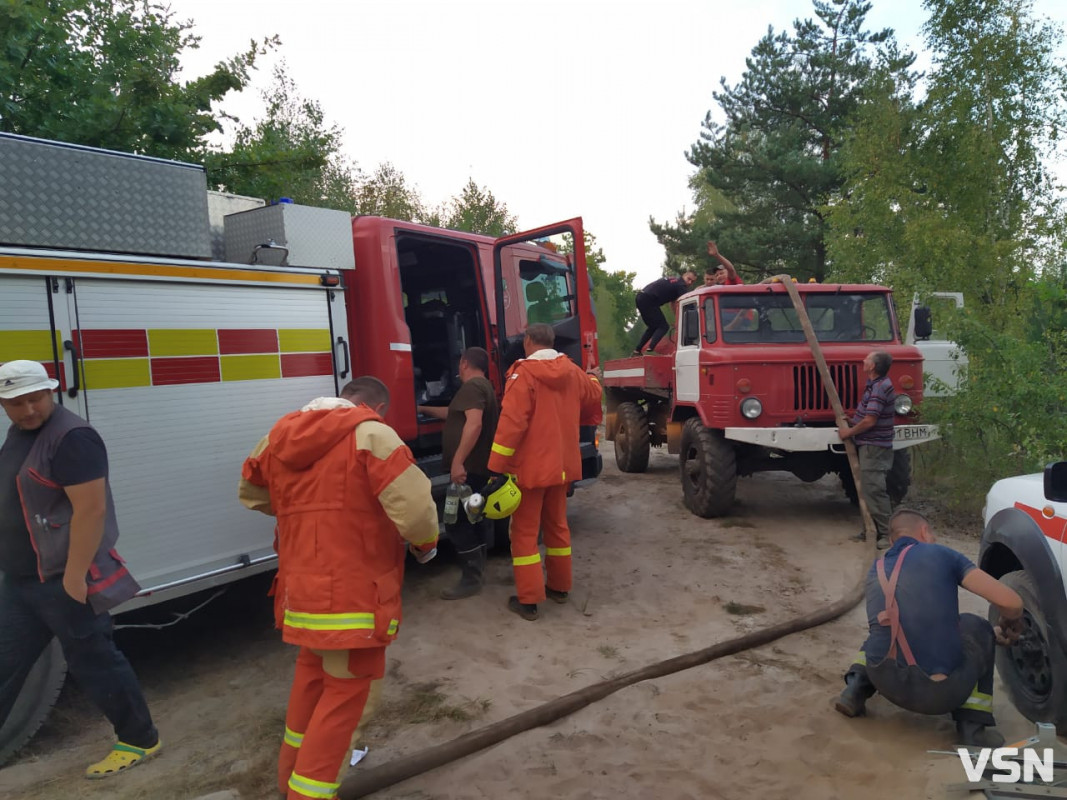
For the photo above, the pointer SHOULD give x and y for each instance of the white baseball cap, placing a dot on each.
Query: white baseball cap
(22, 377)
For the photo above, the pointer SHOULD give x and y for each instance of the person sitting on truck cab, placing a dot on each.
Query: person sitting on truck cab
(723, 273)
(921, 653)
(649, 300)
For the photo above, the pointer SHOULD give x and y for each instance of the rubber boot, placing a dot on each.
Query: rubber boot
(472, 575)
(852, 702)
(974, 734)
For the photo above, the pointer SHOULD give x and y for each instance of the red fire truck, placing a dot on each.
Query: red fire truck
(735, 390)
(182, 324)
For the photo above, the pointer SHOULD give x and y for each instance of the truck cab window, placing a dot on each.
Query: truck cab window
(690, 326)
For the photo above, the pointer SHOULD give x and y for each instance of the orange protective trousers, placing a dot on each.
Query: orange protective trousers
(326, 702)
(542, 509)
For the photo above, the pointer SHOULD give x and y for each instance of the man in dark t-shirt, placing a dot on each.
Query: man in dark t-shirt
(54, 475)
(658, 293)
(470, 424)
(921, 653)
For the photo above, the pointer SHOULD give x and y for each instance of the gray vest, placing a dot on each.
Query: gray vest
(48, 512)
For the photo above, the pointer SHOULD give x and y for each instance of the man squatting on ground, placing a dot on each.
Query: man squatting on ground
(470, 424)
(922, 654)
(872, 431)
(547, 397)
(344, 489)
(61, 573)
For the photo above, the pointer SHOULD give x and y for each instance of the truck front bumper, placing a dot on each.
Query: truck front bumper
(799, 440)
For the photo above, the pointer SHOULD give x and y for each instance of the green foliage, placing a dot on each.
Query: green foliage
(103, 73)
(386, 193)
(613, 301)
(475, 209)
(289, 152)
(766, 174)
(1008, 419)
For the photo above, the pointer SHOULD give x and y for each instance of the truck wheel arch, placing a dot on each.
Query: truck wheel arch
(1012, 541)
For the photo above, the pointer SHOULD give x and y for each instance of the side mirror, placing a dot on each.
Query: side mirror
(924, 325)
(691, 323)
(1056, 482)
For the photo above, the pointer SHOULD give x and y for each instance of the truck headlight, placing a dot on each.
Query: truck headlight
(751, 408)
(903, 404)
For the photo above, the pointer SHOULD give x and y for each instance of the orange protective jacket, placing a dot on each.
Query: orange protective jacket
(344, 489)
(546, 398)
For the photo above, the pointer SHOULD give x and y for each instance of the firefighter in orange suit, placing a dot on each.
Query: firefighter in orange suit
(344, 489)
(546, 398)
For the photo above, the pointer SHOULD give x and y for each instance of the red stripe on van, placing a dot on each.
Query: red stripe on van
(303, 365)
(236, 342)
(112, 343)
(192, 369)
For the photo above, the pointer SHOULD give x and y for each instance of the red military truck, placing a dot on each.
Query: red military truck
(735, 390)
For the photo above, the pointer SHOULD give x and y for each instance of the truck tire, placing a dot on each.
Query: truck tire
(35, 701)
(709, 470)
(898, 479)
(1035, 677)
(632, 438)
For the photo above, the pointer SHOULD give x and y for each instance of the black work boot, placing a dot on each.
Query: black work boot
(472, 576)
(974, 734)
(556, 595)
(527, 611)
(852, 702)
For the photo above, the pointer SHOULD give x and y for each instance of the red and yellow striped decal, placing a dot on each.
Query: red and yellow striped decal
(123, 358)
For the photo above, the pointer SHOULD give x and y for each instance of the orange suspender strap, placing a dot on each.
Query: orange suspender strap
(891, 615)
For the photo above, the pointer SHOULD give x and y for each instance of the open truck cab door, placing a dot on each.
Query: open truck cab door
(537, 281)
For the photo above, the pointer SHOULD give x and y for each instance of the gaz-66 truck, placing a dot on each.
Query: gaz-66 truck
(736, 389)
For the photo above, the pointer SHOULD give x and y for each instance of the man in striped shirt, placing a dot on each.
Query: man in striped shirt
(872, 431)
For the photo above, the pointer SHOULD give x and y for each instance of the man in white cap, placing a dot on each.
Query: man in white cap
(61, 574)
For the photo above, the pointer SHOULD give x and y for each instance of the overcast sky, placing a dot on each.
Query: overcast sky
(578, 108)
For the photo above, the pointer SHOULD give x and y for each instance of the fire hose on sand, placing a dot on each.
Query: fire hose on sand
(368, 781)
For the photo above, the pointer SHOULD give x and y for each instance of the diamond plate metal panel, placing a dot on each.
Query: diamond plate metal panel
(80, 198)
(316, 237)
(219, 205)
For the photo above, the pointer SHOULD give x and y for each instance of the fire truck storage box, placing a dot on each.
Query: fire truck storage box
(219, 205)
(66, 196)
(315, 237)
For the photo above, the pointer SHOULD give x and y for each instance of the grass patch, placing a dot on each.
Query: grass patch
(608, 651)
(425, 703)
(741, 610)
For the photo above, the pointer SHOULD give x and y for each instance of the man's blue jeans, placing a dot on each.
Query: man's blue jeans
(31, 613)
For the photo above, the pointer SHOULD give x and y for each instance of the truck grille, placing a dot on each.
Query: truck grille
(808, 391)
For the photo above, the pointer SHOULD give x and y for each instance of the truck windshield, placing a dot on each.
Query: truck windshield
(767, 318)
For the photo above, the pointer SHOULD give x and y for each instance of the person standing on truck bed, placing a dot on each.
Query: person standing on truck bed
(660, 292)
(470, 424)
(61, 574)
(872, 431)
(547, 397)
(723, 273)
(344, 489)
(921, 653)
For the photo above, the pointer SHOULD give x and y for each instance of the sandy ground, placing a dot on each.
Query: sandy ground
(651, 581)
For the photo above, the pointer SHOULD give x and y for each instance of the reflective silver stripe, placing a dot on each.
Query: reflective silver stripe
(625, 373)
(403, 347)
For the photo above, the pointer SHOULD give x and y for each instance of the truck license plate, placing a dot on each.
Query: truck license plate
(908, 432)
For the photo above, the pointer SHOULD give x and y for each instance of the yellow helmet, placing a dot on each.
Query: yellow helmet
(502, 497)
